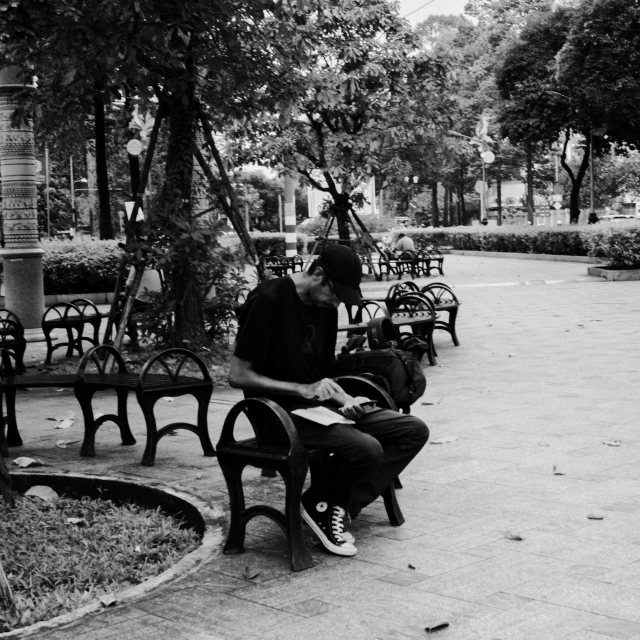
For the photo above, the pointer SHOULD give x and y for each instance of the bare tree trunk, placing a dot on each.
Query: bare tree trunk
(530, 205)
(445, 208)
(576, 180)
(499, 196)
(102, 176)
(435, 215)
(6, 485)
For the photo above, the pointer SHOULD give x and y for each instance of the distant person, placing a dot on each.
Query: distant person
(404, 243)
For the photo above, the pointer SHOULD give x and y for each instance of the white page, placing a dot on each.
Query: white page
(322, 415)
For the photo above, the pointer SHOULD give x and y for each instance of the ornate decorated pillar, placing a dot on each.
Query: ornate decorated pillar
(22, 253)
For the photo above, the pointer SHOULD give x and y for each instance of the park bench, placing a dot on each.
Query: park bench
(443, 298)
(172, 373)
(276, 445)
(70, 317)
(12, 337)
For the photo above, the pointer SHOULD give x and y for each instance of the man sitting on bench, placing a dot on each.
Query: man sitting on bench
(285, 351)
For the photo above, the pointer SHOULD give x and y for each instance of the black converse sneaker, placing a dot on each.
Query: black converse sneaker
(327, 522)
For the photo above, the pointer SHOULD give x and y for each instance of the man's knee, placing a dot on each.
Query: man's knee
(414, 431)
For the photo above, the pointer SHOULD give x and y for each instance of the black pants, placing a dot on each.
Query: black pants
(367, 458)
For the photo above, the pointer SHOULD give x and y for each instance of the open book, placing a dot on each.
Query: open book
(322, 415)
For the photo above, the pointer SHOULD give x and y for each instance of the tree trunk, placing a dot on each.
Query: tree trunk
(499, 196)
(463, 212)
(576, 180)
(175, 213)
(6, 485)
(102, 176)
(435, 215)
(530, 204)
(341, 209)
(445, 208)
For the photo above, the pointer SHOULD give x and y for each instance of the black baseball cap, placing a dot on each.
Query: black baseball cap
(343, 268)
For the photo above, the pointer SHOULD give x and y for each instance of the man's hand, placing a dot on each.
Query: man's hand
(353, 408)
(325, 389)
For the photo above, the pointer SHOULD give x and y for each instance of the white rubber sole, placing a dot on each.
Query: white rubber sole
(346, 549)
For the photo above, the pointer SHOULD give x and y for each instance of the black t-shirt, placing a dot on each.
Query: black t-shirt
(285, 339)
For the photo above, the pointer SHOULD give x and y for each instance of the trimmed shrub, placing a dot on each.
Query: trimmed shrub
(617, 247)
(80, 267)
(508, 239)
(274, 244)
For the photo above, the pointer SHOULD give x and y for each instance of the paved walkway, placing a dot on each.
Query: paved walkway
(527, 409)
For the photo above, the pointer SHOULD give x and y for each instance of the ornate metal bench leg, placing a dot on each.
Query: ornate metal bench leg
(149, 455)
(47, 337)
(4, 449)
(123, 418)
(453, 314)
(88, 448)
(232, 471)
(269, 473)
(71, 343)
(294, 480)
(13, 435)
(203, 430)
(397, 484)
(394, 513)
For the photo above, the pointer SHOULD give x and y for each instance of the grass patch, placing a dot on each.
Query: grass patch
(63, 554)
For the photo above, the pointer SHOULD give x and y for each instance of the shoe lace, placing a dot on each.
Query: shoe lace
(337, 522)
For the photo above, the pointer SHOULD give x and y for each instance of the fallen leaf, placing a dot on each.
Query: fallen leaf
(76, 521)
(108, 599)
(511, 355)
(69, 415)
(28, 462)
(543, 444)
(411, 567)
(137, 548)
(62, 444)
(594, 516)
(167, 399)
(62, 389)
(511, 536)
(444, 440)
(199, 476)
(42, 492)
(556, 472)
(65, 424)
(436, 626)
(250, 574)
(612, 443)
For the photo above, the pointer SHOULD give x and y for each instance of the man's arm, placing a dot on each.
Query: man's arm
(242, 375)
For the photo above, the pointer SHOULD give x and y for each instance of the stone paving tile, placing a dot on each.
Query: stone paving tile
(399, 555)
(572, 549)
(616, 628)
(627, 576)
(406, 604)
(584, 594)
(201, 610)
(491, 576)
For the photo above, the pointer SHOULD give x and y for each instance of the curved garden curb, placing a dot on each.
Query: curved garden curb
(202, 517)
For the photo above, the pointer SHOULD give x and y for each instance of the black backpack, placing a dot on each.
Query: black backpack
(397, 370)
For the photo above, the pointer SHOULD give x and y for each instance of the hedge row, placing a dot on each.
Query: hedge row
(80, 267)
(564, 242)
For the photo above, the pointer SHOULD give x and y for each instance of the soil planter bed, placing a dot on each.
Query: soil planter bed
(79, 493)
(615, 273)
